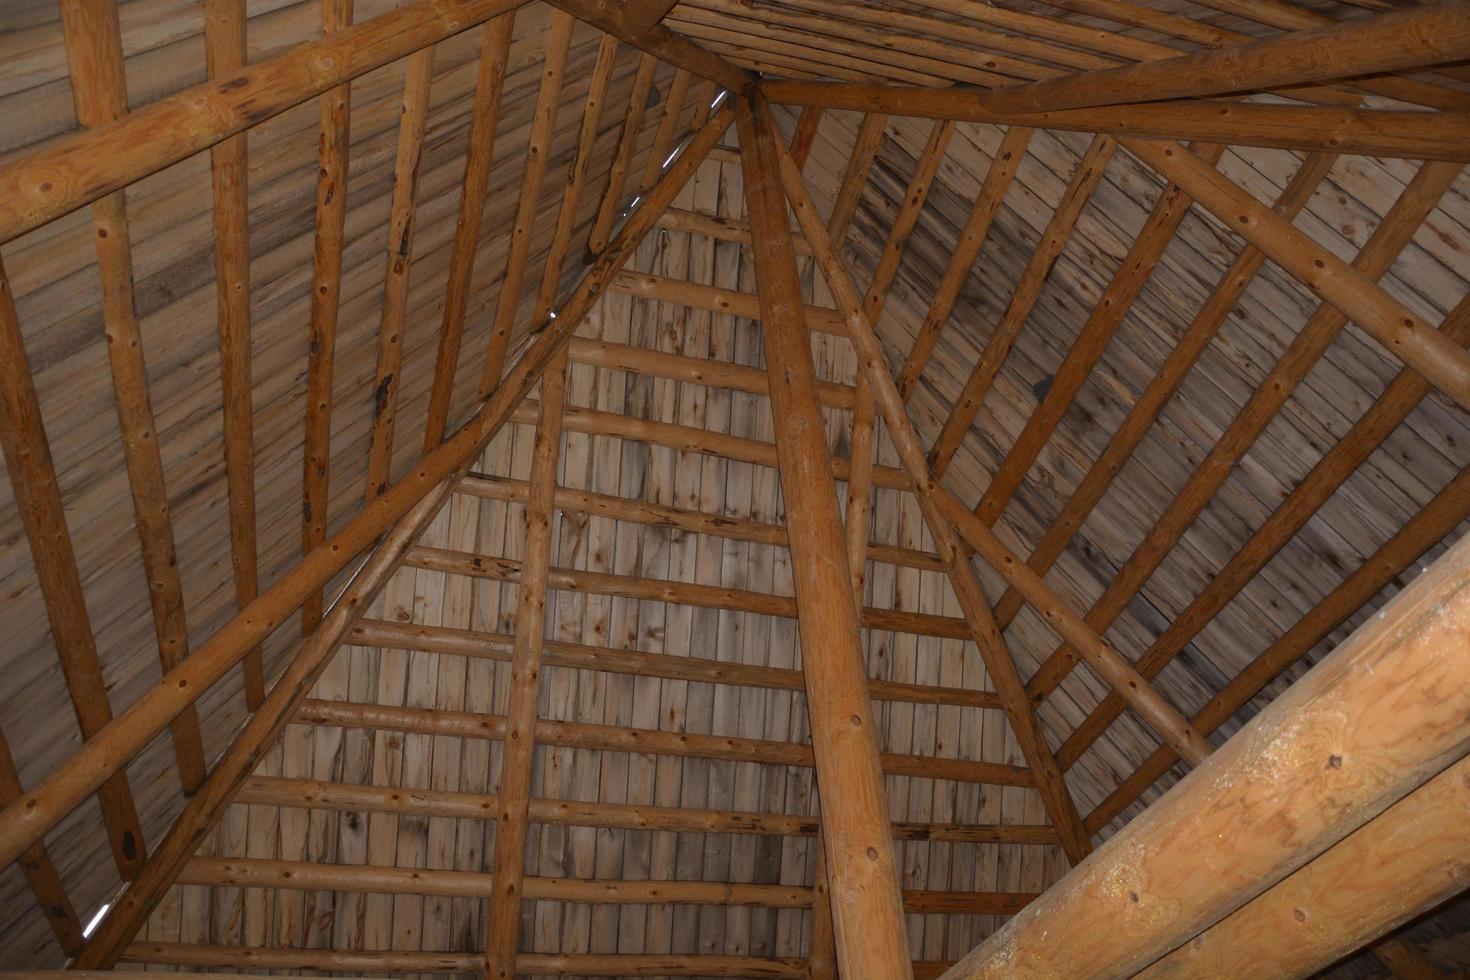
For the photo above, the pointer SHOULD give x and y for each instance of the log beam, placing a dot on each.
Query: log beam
(1401, 40)
(866, 909)
(1406, 861)
(1373, 132)
(66, 173)
(613, 738)
(224, 52)
(1293, 782)
(1110, 665)
(317, 794)
(512, 823)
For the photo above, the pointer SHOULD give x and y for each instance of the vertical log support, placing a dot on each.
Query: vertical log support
(326, 294)
(525, 674)
(224, 53)
(867, 907)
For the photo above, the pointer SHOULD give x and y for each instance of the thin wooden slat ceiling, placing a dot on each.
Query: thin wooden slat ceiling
(667, 541)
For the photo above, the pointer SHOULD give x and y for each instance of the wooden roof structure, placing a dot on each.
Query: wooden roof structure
(764, 488)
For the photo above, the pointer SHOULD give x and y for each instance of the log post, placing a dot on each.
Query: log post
(867, 907)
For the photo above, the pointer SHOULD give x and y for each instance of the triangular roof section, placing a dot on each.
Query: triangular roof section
(723, 527)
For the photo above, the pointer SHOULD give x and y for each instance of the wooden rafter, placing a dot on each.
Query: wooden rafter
(99, 92)
(40, 872)
(224, 53)
(1028, 288)
(512, 814)
(566, 219)
(418, 70)
(612, 195)
(1391, 408)
(1425, 529)
(333, 136)
(967, 250)
(1192, 343)
(1310, 344)
(538, 154)
(1092, 339)
(38, 498)
(866, 913)
(90, 767)
(485, 118)
(668, 124)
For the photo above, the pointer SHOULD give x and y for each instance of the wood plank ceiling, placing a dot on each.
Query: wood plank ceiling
(289, 326)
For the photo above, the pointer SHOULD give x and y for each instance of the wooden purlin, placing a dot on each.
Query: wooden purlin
(351, 797)
(496, 646)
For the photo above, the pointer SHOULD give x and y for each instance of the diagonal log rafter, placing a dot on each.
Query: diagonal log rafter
(22, 822)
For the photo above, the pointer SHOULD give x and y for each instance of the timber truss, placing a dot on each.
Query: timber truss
(435, 578)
